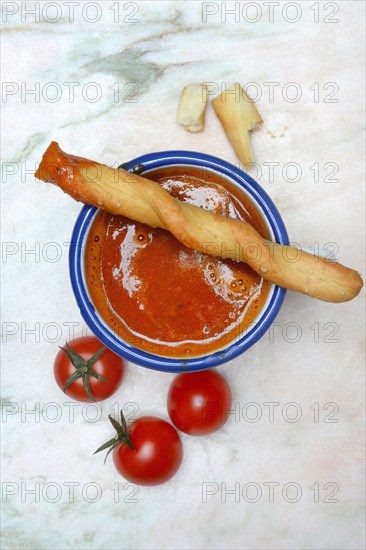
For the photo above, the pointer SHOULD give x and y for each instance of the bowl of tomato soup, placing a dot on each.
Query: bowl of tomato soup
(160, 304)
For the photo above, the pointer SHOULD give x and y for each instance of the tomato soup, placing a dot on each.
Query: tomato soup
(163, 297)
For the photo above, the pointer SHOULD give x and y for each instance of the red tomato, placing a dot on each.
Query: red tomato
(198, 402)
(157, 454)
(148, 452)
(87, 371)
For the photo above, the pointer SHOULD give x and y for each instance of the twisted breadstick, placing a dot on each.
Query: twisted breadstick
(145, 201)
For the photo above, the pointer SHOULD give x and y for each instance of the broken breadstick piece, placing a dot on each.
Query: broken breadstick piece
(239, 116)
(192, 106)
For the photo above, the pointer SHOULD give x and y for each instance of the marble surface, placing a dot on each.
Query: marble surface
(292, 449)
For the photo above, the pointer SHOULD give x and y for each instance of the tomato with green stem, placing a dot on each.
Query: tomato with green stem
(198, 402)
(88, 371)
(147, 452)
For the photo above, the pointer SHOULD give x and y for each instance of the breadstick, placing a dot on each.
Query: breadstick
(192, 106)
(143, 200)
(238, 116)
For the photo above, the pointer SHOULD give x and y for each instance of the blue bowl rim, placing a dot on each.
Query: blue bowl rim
(152, 161)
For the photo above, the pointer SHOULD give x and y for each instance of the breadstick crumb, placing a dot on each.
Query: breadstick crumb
(192, 107)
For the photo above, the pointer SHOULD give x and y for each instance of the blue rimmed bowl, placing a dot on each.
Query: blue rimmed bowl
(266, 316)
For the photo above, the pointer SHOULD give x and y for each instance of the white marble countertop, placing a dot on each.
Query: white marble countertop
(296, 484)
